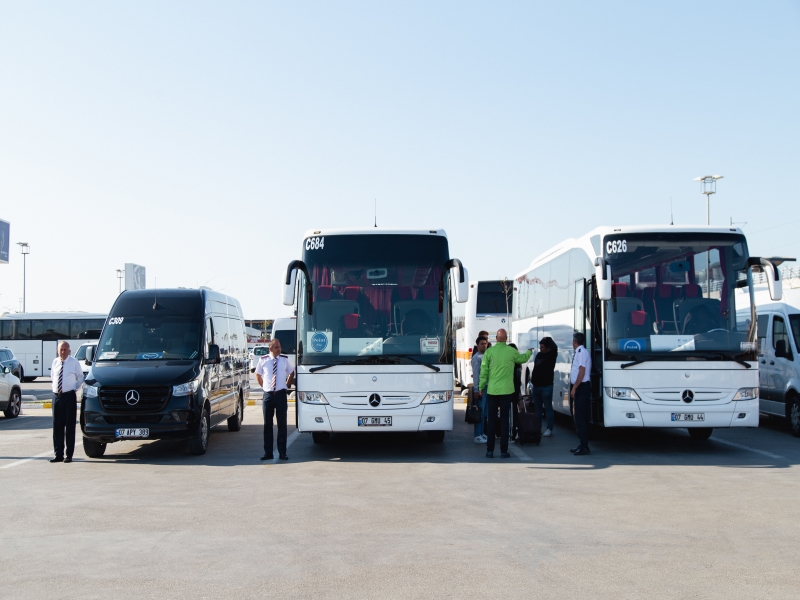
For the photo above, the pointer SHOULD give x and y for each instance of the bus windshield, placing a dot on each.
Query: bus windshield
(375, 295)
(673, 296)
(494, 298)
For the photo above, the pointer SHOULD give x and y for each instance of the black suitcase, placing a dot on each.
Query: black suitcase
(530, 430)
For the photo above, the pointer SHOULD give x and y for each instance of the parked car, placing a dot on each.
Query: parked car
(81, 356)
(10, 393)
(7, 359)
(255, 355)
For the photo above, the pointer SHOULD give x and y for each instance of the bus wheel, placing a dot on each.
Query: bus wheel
(235, 422)
(199, 442)
(435, 436)
(321, 437)
(793, 412)
(93, 449)
(700, 433)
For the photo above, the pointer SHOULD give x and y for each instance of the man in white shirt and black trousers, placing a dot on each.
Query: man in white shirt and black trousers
(67, 377)
(274, 374)
(581, 391)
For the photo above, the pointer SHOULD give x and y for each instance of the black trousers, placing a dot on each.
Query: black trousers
(65, 407)
(504, 402)
(275, 402)
(581, 412)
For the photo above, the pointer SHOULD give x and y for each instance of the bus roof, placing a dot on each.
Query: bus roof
(54, 315)
(374, 231)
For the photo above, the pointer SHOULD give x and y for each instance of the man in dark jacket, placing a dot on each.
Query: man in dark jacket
(544, 364)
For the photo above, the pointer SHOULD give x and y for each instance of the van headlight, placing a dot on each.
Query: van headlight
(186, 389)
(438, 397)
(90, 391)
(622, 393)
(311, 397)
(746, 394)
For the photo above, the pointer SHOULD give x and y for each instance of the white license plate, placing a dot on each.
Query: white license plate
(688, 417)
(133, 433)
(374, 421)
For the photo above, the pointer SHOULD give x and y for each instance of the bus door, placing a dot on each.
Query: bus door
(587, 318)
(49, 353)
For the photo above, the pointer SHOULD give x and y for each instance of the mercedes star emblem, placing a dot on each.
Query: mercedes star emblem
(374, 400)
(132, 397)
(687, 396)
(374, 378)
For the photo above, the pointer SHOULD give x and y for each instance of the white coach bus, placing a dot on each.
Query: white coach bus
(488, 308)
(658, 308)
(374, 331)
(34, 337)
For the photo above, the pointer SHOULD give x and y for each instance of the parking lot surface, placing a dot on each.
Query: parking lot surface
(649, 513)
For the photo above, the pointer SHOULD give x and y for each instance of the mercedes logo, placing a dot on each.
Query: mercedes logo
(687, 396)
(374, 378)
(132, 397)
(374, 400)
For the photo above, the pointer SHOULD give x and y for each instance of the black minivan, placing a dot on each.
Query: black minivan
(169, 364)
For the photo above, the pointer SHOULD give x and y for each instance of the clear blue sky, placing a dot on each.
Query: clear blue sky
(202, 139)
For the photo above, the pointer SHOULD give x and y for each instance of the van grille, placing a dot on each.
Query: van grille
(151, 398)
(126, 419)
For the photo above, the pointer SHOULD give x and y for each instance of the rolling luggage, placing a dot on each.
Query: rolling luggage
(530, 430)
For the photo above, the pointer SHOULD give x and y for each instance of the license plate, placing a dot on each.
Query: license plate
(133, 433)
(374, 421)
(688, 417)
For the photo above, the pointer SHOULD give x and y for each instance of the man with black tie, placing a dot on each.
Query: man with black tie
(67, 377)
(274, 374)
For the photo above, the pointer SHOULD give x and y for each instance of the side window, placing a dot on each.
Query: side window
(221, 335)
(780, 339)
(762, 323)
(209, 336)
(6, 330)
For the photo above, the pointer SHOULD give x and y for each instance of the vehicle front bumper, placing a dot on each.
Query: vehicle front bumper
(425, 417)
(625, 413)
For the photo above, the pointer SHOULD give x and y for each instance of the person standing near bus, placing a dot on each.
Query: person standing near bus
(497, 379)
(274, 374)
(581, 391)
(478, 399)
(544, 365)
(67, 377)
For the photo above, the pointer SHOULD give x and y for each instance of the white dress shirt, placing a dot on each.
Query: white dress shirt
(580, 359)
(265, 366)
(73, 374)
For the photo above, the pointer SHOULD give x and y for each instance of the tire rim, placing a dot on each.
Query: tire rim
(204, 434)
(15, 403)
(795, 416)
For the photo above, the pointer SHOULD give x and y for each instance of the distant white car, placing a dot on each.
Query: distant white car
(80, 355)
(255, 355)
(10, 394)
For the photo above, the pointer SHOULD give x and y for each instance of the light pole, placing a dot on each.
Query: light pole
(120, 275)
(25, 249)
(709, 186)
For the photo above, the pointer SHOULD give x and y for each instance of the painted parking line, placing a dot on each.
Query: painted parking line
(24, 460)
(518, 452)
(290, 440)
(743, 447)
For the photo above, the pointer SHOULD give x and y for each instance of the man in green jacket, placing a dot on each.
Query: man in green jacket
(497, 378)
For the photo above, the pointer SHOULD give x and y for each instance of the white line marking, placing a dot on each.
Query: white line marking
(290, 440)
(517, 451)
(743, 447)
(24, 460)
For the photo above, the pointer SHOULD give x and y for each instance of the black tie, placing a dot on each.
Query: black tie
(60, 377)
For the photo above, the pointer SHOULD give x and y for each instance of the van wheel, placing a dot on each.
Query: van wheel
(793, 412)
(14, 405)
(436, 437)
(321, 437)
(235, 422)
(700, 433)
(93, 449)
(199, 442)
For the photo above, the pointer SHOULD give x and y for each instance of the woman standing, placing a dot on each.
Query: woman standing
(542, 380)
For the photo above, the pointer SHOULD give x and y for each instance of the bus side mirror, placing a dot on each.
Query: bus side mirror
(460, 279)
(212, 357)
(289, 285)
(89, 355)
(774, 282)
(602, 271)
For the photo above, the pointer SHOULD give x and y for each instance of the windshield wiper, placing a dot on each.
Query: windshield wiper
(732, 357)
(375, 360)
(431, 367)
(634, 363)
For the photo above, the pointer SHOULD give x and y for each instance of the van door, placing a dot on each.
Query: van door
(783, 367)
(762, 324)
(212, 374)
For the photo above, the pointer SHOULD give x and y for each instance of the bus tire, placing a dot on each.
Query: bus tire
(321, 437)
(14, 404)
(437, 437)
(198, 444)
(235, 422)
(700, 433)
(793, 414)
(93, 449)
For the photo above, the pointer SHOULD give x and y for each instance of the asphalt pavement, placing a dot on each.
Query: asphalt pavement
(649, 513)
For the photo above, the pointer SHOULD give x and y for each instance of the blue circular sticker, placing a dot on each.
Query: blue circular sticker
(319, 342)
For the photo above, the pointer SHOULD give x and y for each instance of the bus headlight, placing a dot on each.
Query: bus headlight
(438, 397)
(622, 393)
(186, 389)
(746, 394)
(312, 397)
(90, 391)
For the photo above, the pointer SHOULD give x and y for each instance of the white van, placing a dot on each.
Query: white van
(285, 330)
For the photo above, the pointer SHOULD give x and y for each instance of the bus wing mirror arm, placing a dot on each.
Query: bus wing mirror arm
(290, 284)
(459, 279)
(89, 355)
(603, 277)
(769, 266)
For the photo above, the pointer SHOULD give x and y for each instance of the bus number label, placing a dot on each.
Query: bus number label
(115, 320)
(616, 247)
(315, 243)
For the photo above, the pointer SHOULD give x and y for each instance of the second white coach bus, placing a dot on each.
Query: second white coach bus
(374, 331)
(658, 308)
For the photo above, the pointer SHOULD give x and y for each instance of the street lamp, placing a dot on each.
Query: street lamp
(120, 275)
(708, 184)
(25, 249)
